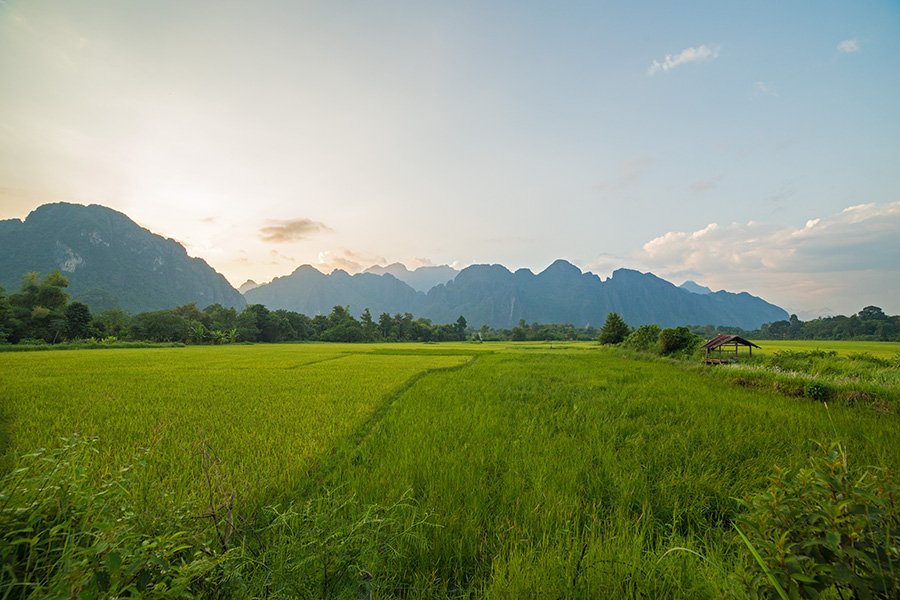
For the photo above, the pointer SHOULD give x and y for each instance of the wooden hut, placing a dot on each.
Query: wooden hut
(726, 348)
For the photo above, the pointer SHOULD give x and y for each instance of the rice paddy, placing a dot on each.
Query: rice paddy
(545, 470)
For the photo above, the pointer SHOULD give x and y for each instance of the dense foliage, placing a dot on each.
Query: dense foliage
(825, 527)
(869, 324)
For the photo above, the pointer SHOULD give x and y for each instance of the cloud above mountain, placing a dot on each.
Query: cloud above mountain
(834, 255)
(290, 230)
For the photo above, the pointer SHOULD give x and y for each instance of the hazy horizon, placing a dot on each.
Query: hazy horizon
(747, 148)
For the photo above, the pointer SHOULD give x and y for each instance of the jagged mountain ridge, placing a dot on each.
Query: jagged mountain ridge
(421, 279)
(695, 288)
(495, 296)
(309, 291)
(109, 260)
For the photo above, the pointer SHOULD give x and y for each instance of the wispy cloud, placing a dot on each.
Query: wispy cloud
(848, 46)
(700, 53)
(347, 260)
(290, 230)
(763, 88)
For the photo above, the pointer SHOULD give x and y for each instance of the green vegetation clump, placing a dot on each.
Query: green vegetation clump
(677, 340)
(644, 339)
(615, 330)
(824, 527)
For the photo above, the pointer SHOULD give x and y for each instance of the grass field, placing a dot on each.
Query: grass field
(542, 470)
(266, 411)
(879, 349)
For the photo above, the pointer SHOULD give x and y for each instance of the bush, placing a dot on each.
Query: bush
(677, 339)
(644, 339)
(818, 391)
(824, 527)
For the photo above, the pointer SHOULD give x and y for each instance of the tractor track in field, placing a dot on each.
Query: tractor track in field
(318, 471)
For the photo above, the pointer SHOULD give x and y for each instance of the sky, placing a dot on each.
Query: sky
(746, 146)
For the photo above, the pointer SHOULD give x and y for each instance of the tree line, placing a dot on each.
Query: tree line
(869, 324)
(41, 312)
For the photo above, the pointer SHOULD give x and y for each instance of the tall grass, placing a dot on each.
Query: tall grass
(575, 474)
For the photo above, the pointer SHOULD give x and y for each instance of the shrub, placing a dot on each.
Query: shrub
(824, 527)
(677, 339)
(644, 339)
(818, 391)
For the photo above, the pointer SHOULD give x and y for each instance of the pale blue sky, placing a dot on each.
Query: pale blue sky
(610, 134)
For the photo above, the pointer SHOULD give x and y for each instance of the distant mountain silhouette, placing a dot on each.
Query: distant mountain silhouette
(247, 286)
(695, 288)
(492, 295)
(421, 279)
(109, 260)
(311, 292)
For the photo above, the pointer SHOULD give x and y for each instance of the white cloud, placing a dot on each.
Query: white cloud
(848, 46)
(844, 260)
(688, 55)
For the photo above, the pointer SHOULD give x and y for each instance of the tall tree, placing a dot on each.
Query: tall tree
(615, 330)
(370, 330)
(78, 321)
(460, 328)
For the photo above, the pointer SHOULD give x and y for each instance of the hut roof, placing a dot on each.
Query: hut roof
(725, 338)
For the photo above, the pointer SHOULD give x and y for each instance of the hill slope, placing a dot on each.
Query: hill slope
(110, 261)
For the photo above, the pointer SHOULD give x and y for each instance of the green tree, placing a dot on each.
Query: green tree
(250, 323)
(460, 328)
(39, 307)
(78, 321)
(386, 326)
(216, 316)
(644, 339)
(6, 325)
(370, 330)
(112, 323)
(159, 326)
(615, 330)
(677, 339)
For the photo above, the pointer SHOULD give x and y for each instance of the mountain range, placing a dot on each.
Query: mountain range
(109, 260)
(495, 296)
(112, 262)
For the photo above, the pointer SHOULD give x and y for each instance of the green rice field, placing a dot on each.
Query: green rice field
(533, 470)
(879, 349)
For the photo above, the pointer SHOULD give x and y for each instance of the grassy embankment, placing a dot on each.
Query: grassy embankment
(546, 470)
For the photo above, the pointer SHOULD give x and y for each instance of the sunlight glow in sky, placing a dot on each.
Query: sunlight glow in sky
(698, 142)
